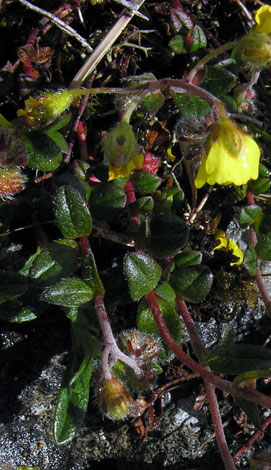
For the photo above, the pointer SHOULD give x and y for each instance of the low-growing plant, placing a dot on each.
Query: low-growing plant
(149, 199)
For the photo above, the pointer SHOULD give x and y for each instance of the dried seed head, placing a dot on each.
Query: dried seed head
(113, 399)
(143, 346)
(11, 182)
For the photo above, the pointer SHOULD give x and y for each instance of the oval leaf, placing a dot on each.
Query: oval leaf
(68, 293)
(250, 214)
(58, 260)
(71, 405)
(107, 200)
(236, 359)
(191, 106)
(42, 151)
(218, 81)
(145, 183)
(193, 283)
(72, 213)
(188, 258)
(142, 273)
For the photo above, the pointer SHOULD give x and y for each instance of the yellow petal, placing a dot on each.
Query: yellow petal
(232, 157)
(263, 19)
(226, 244)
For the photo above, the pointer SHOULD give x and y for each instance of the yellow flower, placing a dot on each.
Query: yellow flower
(232, 157)
(226, 244)
(122, 172)
(263, 19)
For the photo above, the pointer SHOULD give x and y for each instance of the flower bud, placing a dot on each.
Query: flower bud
(49, 105)
(120, 145)
(113, 398)
(138, 344)
(120, 151)
(255, 48)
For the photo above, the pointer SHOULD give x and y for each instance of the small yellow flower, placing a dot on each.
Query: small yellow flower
(122, 172)
(232, 157)
(226, 244)
(263, 19)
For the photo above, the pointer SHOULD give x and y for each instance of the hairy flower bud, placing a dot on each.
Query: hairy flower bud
(49, 105)
(255, 48)
(113, 398)
(120, 151)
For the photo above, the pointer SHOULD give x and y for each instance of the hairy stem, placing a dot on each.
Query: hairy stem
(207, 58)
(218, 426)
(199, 349)
(199, 369)
(111, 346)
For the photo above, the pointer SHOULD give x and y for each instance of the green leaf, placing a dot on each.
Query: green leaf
(12, 285)
(56, 261)
(107, 200)
(192, 282)
(177, 45)
(168, 234)
(250, 260)
(72, 213)
(143, 204)
(167, 293)
(58, 139)
(72, 402)
(235, 359)
(60, 123)
(42, 151)
(145, 183)
(218, 81)
(142, 273)
(68, 293)
(146, 322)
(188, 258)
(260, 186)
(14, 312)
(67, 179)
(250, 214)
(191, 106)
(152, 102)
(199, 40)
(4, 122)
(90, 273)
(263, 247)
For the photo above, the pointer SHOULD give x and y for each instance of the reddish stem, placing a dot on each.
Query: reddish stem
(219, 431)
(257, 436)
(199, 369)
(199, 349)
(82, 139)
(133, 214)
